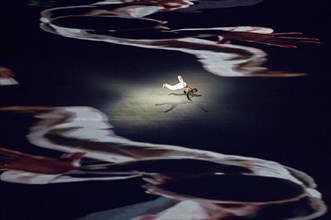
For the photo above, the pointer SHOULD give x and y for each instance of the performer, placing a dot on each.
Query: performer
(181, 85)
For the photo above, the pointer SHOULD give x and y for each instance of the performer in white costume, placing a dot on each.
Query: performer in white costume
(181, 85)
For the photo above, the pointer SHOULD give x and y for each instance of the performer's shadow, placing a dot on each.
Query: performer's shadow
(174, 105)
(181, 94)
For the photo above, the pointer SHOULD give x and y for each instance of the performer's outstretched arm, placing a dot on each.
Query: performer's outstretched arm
(14, 160)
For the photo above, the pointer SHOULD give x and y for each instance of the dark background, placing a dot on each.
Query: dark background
(281, 119)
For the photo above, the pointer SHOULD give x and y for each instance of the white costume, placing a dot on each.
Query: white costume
(180, 85)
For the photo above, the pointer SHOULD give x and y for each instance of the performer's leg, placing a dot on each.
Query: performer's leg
(175, 87)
